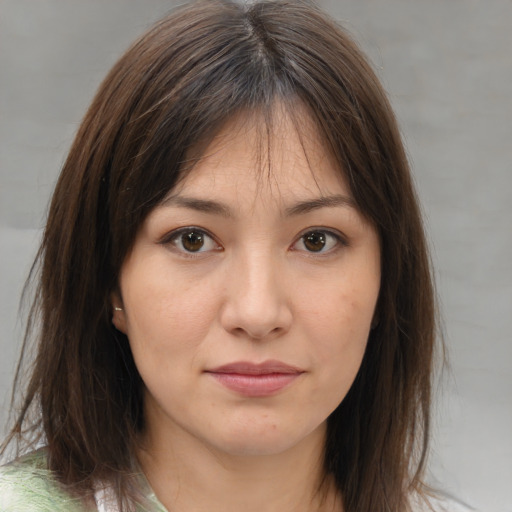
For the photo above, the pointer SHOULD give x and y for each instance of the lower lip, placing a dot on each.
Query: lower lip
(255, 385)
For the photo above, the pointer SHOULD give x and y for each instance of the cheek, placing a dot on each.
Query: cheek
(339, 329)
(166, 320)
(343, 312)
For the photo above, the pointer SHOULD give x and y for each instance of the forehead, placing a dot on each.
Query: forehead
(280, 156)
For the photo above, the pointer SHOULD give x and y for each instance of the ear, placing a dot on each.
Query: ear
(118, 313)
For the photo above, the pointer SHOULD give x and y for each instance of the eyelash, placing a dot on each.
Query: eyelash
(340, 240)
(173, 238)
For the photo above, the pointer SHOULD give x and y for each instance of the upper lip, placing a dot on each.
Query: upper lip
(249, 368)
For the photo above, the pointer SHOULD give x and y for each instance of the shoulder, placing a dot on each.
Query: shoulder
(26, 485)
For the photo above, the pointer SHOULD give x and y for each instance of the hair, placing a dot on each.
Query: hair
(191, 72)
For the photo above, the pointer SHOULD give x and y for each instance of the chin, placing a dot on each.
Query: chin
(266, 439)
(256, 447)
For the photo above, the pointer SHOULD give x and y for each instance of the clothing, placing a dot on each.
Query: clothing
(26, 485)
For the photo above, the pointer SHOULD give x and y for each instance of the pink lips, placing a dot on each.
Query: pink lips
(256, 380)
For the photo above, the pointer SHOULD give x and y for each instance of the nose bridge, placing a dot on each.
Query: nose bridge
(256, 301)
(257, 283)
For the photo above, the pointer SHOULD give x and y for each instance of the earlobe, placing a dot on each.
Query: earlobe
(118, 319)
(118, 313)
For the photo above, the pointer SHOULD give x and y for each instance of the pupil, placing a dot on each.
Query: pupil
(315, 241)
(192, 241)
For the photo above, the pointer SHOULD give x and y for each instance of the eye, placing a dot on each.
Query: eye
(318, 241)
(191, 240)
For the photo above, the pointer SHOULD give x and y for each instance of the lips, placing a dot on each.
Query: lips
(256, 380)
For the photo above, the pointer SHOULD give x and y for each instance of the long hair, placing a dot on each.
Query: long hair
(171, 90)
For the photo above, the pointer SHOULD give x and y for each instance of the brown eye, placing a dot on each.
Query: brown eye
(315, 241)
(192, 241)
(319, 241)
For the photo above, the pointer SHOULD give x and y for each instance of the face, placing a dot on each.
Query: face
(249, 293)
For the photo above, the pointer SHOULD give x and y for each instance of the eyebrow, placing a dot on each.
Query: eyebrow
(200, 205)
(300, 208)
(321, 202)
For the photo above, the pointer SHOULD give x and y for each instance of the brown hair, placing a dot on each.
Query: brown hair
(174, 87)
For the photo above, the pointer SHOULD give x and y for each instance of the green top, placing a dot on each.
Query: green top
(26, 485)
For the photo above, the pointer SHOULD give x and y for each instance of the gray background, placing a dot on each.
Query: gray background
(447, 66)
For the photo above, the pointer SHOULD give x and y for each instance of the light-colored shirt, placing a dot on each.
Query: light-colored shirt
(26, 485)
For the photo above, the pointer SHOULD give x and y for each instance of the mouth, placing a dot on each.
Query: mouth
(256, 380)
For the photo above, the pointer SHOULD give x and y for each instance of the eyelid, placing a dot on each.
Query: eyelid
(341, 239)
(170, 236)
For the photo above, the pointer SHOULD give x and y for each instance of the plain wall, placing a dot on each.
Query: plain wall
(447, 66)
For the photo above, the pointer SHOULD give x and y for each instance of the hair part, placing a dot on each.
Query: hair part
(162, 101)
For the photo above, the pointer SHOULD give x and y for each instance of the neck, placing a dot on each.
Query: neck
(188, 475)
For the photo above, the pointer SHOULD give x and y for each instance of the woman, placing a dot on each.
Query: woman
(235, 306)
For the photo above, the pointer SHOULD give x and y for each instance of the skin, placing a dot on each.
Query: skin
(255, 291)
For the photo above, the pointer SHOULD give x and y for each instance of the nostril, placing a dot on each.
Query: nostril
(256, 334)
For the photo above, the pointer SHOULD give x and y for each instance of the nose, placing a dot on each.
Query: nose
(257, 304)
